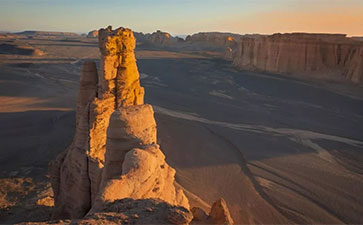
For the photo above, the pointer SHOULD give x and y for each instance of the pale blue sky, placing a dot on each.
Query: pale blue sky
(185, 16)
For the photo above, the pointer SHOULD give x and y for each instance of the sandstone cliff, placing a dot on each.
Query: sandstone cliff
(114, 155)
(316, 55)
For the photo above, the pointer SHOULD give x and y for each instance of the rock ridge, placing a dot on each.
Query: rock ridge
(327, 56)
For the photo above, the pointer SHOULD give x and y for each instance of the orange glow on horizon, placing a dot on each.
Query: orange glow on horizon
(343, 21)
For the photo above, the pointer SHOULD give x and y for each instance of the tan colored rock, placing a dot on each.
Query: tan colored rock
(114, 171)
(112, 158)
(120, 75)
(77, 173)
(69, 173)
(135, 167)
(316, 55)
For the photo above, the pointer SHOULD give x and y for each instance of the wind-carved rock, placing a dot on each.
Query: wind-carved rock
(135, 166)
(86, 173)
(114, 167)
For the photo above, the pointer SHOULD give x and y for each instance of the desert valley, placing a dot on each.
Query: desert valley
(255, 129)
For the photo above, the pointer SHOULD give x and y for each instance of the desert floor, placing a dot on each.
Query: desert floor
(278, 149)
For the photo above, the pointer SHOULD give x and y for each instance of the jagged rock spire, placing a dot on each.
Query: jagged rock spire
(87, 174)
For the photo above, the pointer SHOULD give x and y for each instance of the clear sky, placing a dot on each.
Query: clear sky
(185, 16)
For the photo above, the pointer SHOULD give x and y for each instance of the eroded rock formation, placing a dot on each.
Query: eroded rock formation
(316, 55)
(77, 173)
(214, 39)
(161, 39)
(114, 162)
(135, 166)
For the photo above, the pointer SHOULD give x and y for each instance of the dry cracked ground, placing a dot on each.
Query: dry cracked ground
(295, 144)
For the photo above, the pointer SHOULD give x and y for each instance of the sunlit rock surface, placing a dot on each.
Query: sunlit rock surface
(317, 55)
(112, 157)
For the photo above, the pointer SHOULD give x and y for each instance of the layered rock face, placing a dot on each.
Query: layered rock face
(84, 174)
(317, 55)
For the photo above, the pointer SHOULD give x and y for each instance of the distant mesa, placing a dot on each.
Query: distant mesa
(214, 39)
(156, 39)
(160, 38)
(48, 33)
(327, 56)
(311, 55)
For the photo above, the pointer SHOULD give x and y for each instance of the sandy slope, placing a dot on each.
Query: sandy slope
(277, 149)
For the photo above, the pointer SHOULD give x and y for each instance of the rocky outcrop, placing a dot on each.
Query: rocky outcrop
(162, 39)
(224, 40)
(135, 166)
(92, 34)
(219, 214)
(140, 37)
(114, 170)
(140, 211)
(106, 163)
(331, 56)
(130, 211)
(31, 33)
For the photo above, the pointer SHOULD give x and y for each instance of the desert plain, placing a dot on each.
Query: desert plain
(277, 148)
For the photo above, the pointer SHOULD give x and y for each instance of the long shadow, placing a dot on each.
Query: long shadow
(69, 45)
(31, 139)
(252, 99)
